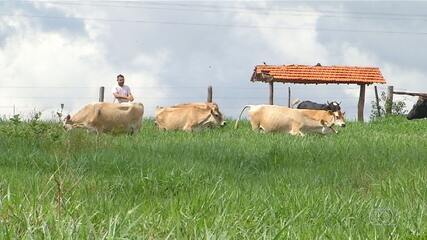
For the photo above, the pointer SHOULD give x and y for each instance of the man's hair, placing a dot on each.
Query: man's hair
(120, 76)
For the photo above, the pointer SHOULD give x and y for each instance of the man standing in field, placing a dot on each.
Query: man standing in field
(122, 92)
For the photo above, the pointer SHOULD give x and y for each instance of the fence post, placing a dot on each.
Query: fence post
(59, 114)
(62, 108)
(101, 94)
(209, 94)
(271, 92)
(289, 97)
(389, 100)
(378, 101)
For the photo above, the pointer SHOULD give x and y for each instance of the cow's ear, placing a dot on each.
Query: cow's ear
(322, 122)
(68, 117)
(343, 113)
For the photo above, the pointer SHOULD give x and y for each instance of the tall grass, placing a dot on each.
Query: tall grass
(369, 181)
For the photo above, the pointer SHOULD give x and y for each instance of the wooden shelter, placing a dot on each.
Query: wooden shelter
(303, 74)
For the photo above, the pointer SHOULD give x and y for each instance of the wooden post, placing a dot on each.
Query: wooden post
(389, 100)
(361, 104)
(378, 101)
(271, 92)
(289, 97)
(101, 94)
(209, 94)
(62, 108)
(59, 114)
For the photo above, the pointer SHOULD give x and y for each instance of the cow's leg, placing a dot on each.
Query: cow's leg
(134, 129)
(296, 133)
(131, 131)
(255, 126)
(92, 129)
(188, 128)
(296, 130)
(293, 132)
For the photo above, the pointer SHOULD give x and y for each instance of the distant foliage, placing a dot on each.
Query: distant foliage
(397, 108)
(16, 119)
(32, 128)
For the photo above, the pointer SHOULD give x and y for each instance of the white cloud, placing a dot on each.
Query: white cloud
(352, 56)
(291, 45)
(70, 69)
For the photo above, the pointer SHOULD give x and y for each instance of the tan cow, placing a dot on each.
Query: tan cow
(273, 118)
(189, 116)
(107, 117)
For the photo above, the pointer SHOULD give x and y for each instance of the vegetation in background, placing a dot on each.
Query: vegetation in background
(368, 181)
(398, 107)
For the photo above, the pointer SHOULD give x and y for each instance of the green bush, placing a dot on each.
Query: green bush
(398, 108)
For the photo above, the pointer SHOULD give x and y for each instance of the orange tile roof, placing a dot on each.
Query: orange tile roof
(317, 74)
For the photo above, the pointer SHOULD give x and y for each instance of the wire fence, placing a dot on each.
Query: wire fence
(222, 9)
(230, 98)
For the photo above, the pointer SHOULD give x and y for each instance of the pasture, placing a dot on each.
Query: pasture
(367, 182)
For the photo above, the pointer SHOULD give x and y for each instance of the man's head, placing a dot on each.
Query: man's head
(120, 80)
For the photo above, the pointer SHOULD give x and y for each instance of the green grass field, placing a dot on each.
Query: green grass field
(367, 182)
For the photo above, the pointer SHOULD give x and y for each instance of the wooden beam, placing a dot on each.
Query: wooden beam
(271, 93)
(411, 94)
(289, 97)
(361, 104)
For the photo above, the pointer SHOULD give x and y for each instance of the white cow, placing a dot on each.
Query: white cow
(107, 117)
(189, 116)
(273, 118)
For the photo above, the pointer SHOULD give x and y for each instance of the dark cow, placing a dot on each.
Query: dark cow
(419, 110)
(329, 106)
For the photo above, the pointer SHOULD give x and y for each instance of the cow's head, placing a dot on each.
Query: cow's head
(216, 116)
(419, 110)
(333, 106)
(339, 119)
(68, 124)
(327, 126)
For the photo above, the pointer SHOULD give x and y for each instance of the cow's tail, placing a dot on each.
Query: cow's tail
(295, 103)
(237, 122)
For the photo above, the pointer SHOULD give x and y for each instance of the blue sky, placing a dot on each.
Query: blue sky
(54, 52)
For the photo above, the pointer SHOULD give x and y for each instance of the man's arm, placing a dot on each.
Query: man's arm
(130, 97)
(116, 95)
